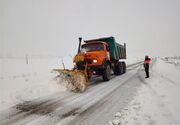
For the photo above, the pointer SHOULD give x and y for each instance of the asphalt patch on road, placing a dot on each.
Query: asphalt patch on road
(40, 108)
(73, 112)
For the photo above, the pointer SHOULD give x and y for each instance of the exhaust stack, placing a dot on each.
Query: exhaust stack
(79, 47)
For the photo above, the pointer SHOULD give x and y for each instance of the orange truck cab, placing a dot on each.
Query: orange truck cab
(100, 57)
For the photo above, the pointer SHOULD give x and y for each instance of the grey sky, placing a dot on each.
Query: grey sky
(52, 27)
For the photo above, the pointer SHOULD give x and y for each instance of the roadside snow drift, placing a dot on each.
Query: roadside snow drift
(21, 82)
(157, 101)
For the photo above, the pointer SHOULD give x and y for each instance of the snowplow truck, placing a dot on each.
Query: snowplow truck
(102, 57)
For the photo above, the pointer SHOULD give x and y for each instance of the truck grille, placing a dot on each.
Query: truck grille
(89, 61)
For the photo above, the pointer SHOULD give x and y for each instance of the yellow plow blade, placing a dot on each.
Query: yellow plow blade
(73, 80)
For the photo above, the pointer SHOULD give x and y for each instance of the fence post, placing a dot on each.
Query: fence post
(27, 60)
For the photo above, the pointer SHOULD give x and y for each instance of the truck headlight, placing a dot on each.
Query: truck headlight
(74, 63)
(94, 61)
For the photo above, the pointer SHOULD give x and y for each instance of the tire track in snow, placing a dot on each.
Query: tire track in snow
(24, 113)
(103, 103)
(23, 110)
(83, 103)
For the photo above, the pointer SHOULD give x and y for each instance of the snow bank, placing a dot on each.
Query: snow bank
(130, 60)
(157, 99)
(22, 82)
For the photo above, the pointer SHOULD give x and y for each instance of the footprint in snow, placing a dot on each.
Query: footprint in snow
(118, 114)
(115, 122)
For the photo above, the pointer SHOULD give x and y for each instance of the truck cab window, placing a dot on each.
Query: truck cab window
(92, 47)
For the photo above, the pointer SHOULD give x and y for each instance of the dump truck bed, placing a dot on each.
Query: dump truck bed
(117, 51)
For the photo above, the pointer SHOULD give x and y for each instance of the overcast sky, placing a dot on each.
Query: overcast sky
(52, 27)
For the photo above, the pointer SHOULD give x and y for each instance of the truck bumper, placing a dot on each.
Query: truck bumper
(97, 70)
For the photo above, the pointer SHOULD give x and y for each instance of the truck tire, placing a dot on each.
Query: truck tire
(124, 67)
(119, 68)
(115, 71)
(106, 73)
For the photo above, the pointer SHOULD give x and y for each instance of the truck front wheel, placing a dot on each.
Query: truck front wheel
(106, 73)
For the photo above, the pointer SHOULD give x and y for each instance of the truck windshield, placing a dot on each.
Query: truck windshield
(92, 47)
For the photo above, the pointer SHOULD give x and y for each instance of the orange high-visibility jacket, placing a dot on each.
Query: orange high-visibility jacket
(147, 61)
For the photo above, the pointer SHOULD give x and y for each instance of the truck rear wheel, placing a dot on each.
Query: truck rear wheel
(119, 68)
(124, 67)
(106, 73)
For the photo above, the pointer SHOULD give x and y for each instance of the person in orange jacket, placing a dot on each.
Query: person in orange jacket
(146, 65)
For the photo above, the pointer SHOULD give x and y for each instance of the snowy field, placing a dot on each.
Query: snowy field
(173, 60)
(157, 100)
(21, 82)
(29, 95)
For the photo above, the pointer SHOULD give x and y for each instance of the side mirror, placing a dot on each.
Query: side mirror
(107, 48)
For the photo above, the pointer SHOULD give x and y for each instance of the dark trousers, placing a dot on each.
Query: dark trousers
(147, 72)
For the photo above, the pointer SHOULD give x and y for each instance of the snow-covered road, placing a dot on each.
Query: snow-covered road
(139, 101)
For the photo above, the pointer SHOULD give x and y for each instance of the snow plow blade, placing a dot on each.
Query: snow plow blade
(73, 80)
